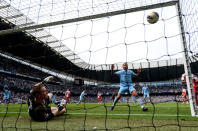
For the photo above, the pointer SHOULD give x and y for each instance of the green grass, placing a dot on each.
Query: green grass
(125, 117)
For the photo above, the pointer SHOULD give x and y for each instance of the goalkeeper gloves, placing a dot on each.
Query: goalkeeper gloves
(47, 79)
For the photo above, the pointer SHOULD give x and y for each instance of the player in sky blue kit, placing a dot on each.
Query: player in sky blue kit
(126, 85)
(7, 94)
(82, 97)
(145, 92)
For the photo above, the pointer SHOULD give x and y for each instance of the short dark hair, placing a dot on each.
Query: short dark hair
(36, 89)
(125, 63)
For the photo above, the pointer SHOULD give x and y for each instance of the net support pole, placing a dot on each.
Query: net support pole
(187, 68)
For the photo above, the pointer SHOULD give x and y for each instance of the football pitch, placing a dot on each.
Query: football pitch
(92, 116)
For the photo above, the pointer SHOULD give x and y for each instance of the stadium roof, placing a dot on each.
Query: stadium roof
(21, 21)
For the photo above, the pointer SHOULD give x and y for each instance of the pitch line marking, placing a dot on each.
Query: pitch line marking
(102, 114)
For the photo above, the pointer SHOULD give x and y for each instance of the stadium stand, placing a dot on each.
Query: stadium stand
(20, 79)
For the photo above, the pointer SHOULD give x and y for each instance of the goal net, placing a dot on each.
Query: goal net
(93, 35)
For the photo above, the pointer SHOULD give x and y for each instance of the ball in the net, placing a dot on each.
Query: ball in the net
(153, 17)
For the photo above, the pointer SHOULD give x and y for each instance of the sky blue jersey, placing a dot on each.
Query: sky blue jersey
(7, 94)
(125, 76)
(82, 95)
(145, 89)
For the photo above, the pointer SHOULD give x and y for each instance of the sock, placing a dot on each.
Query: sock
(150, 100)
(115, 101)
(139, 100)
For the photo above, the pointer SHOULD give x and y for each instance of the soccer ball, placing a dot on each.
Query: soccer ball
(153, 17)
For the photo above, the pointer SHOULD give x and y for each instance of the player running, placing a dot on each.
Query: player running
(99, 97)
(126, 85)
(145, 92)
(67, 96)
(7, 94)
(184, 96)
(82, 97)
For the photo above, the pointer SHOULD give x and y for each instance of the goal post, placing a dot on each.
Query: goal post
(79, 41)
(187, 68)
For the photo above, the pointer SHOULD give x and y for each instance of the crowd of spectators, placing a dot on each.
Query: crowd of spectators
(21, 86)
(17, 67)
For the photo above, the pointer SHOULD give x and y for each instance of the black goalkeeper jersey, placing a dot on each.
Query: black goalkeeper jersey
(39, 111)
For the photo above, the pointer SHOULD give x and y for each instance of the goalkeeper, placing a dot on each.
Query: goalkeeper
(38, 101)
(126, 85)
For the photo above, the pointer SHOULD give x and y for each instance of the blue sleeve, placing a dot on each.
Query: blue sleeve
(118, 72)
(132, 73)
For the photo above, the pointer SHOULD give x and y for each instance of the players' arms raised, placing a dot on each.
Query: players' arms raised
(113, 72)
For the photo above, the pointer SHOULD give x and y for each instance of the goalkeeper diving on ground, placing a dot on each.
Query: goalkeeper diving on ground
(39, 100)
